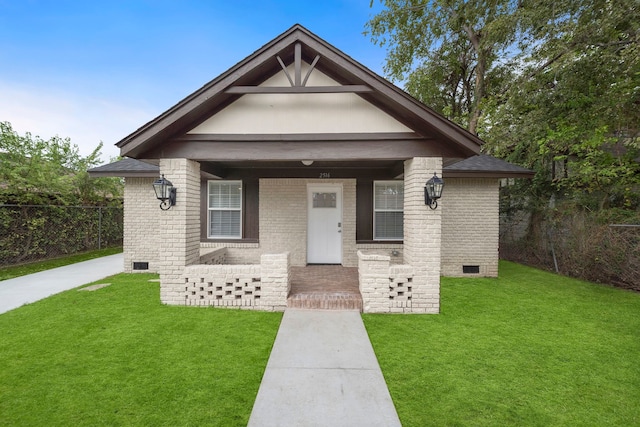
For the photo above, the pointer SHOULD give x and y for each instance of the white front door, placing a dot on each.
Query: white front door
(324, 230)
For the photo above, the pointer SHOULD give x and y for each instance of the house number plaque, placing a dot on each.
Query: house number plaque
(324, 175)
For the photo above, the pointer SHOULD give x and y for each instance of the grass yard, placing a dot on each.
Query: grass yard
(116, 356)
(527, 349)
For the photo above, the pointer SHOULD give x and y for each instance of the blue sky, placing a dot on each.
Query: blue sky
(97, 70)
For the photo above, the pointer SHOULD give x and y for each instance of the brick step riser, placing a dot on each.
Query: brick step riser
(325, 304)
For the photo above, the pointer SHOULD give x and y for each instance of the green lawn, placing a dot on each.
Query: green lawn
(34, 267)
(527, 349)
(116, 356)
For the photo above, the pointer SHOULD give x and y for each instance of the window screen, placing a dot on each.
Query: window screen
(225, 209)
(388, 205)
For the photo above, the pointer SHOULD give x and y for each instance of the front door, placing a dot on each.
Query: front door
(324, 230)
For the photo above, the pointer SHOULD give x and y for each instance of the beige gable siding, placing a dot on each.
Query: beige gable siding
(470, 226)
(141, 228)
(300, 113)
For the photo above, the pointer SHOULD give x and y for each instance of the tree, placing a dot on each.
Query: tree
(550, 84)
(447, 50)
(571, 112)
(553, 85)
(38, 171)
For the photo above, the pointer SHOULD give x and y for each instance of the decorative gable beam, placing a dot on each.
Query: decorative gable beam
(298, 85)
(311, 68)
(298, 63)
(243, 90)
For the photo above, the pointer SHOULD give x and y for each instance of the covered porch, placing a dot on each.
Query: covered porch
(284, 208)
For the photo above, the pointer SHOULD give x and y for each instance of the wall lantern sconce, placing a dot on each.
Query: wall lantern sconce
(433, 191)
(165, 192)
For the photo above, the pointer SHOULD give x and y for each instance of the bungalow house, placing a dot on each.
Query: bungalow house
(300, 155)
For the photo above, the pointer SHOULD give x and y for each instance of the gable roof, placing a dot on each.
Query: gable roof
(262, 64)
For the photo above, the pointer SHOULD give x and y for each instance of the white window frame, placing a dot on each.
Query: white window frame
(210, 209)
(395, 182)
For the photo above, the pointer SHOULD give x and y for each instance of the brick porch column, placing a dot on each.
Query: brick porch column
(422, 234)
(179, 228)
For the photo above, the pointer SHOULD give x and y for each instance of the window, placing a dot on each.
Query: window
(324, 200)
(225, 209)
(388, 205)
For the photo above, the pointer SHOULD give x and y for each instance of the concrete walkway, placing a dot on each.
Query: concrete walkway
(33, 287)
(323, 372)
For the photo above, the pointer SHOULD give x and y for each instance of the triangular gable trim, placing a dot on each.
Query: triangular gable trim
(215, 95)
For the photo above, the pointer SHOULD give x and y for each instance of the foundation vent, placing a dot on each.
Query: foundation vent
(470, 269)
(140, 265)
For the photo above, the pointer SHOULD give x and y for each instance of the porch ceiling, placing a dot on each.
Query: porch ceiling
(383, 169)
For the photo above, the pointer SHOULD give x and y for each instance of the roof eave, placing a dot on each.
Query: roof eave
(486, 174)
(123, 174)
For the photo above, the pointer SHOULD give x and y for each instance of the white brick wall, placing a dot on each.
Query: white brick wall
(470, 226)
(283, 218)
(276, 281)
(237, 253)
(373, 278)
(385, 288)
(264, 286)
(466, 223)
(392, 250)
(141, 225)
(180, 228)
(422, 234)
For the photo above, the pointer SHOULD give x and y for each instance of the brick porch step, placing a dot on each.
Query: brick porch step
(325, 301)
(324, 287)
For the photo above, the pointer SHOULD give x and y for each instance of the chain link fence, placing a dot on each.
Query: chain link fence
(575, 245)
(37, 232)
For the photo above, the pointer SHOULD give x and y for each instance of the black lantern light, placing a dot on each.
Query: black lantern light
(433, 191)
(165, 192)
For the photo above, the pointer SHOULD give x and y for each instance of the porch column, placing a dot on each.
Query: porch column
(179, 228)
(422, 234)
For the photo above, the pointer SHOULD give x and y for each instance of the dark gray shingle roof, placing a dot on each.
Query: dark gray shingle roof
(481, 166)
(486, 166)
(127, 168)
